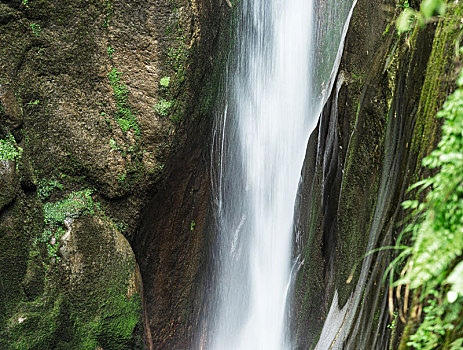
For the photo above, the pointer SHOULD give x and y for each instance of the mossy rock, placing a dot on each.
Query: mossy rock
(392, 87)
(18, 225)
(91, 298)
(8, 183)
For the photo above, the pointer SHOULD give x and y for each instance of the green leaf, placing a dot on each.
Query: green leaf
(165, 81)
(457, 344)
(405, 21)
(455, 279)
(410, 204)
(430, 7)
(436, 228)
(460, 79)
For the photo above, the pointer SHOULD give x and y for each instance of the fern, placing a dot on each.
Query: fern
(435, 264)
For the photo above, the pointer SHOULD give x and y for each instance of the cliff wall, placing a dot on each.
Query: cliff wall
(104, 105)
(377, 125)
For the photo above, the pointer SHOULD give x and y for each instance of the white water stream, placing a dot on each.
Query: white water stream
(258, 152)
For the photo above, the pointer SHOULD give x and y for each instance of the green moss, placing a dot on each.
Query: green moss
(120, 318)
(18, 225)
(358, 199)
(125, 114)
(436, 85)
(77, 203)
(35, 325)
(172, 101)
(97, 309)
(309, 284)
(41, 325)
(34, 280)
(178, 53)
(55, 216)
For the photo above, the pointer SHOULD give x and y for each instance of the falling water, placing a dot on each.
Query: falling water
(259, 146)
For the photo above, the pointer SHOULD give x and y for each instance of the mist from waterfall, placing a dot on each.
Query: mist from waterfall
(270, 108)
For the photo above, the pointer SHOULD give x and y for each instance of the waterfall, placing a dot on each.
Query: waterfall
(275, 87)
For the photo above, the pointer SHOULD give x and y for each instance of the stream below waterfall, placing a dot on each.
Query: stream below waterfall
(278, 76)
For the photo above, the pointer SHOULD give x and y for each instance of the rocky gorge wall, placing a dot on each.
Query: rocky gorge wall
(377, 125)
(105, 107)
(106, 112)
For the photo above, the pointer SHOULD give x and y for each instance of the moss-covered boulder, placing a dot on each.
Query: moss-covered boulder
(90, 298)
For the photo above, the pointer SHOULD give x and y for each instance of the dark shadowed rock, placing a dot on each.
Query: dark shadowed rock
(8, 183)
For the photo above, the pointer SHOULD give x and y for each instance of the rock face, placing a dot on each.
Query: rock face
(8, 183)
(377, 125)
(89, 298)
(110, 104)
(173, 243)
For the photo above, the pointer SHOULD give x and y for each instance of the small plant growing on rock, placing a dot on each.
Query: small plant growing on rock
(110, 51)
(46, 188)
(58, 214)
(108, 12)
(164, 82)
(33, 103)
(122, 177)
(125, 114)
(36, 29)
(428, 9)
(162, 107)
(9, 150)
(113, 144)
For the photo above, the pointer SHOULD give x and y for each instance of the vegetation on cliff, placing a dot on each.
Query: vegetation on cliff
(9, 149)
(385, 122)
(435, 268)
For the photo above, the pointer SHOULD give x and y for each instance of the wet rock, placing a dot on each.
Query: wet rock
(10, 110)
(6, 13)
(355, 176)
(8, 183)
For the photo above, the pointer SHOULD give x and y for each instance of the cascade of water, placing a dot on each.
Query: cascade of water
(258, 152)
